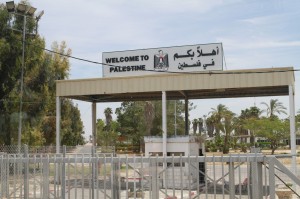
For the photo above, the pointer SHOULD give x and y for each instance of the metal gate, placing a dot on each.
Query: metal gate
(97, 175)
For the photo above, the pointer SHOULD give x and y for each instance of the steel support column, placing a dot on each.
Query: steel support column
(292, 129)
(164, 122)
(186, 112)
(94, 127)
(58, 109)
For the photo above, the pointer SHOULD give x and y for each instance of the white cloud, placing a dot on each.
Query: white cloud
(250, 39)
(256, 43)
(262, 20)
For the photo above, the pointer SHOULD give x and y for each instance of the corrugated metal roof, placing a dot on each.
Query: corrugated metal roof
(217, 84)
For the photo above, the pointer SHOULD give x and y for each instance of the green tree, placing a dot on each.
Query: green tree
(298, 121)
(108, 117)
(273, 108)
(210, 126)
(34, 138)
(195, 123)
(72, 127)
(130, 118)
(138, 119)
(246, 114)
(107, 137)
(228, 126)
(200, 124)
(101, 136)
(10, 75)
(252, 112)
(273, 129)
(217, 114)
(222, 120)
(41, 71)
(180, 120)
(54, 67)
(149, 116)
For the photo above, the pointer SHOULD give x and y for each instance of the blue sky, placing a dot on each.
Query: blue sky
(254, 34)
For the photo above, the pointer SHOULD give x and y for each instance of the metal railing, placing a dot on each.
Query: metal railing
(99, 175)
(13, 149)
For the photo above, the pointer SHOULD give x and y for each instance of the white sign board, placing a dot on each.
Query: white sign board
(192, 58)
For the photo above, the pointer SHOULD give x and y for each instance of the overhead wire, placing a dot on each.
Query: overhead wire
(167, 72)
(202, 72)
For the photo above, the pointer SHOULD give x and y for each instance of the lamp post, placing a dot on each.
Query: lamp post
(24, 11)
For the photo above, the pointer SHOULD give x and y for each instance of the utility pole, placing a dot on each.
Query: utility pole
(24, 11)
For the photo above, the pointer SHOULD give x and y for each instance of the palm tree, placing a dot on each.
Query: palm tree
(200, 123)
(223, 120)
(217, 114)
(195, 125)
(228, 126)
(210, 128)
(108, 116)
(274, 107)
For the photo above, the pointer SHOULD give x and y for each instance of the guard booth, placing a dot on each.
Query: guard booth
(183, 174)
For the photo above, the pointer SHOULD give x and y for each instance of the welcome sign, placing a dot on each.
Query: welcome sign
(190, 58)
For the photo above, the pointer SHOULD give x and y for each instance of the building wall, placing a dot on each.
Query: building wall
(186, 144)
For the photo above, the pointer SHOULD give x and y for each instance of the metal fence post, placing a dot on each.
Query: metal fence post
(272, 177)
(4, 172)
(154, 178)
(256, 176)
(63, 174)
(231, 179)
(45, 180)
(115, 183)
(26, 171)
(93, 172)
(57, 180)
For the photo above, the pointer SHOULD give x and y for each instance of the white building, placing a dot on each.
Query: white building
(177, 146)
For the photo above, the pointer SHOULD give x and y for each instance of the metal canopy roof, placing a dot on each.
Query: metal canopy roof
(217, 84)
